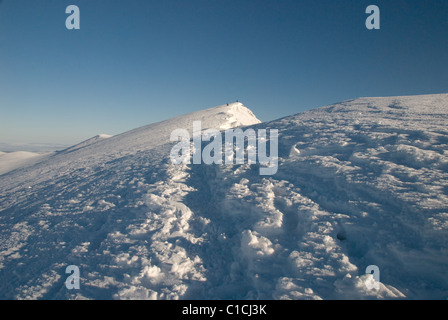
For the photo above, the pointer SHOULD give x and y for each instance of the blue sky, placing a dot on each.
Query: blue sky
(135, 62)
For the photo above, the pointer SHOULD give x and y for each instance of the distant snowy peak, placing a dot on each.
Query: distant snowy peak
(103, 136)
(230, 115)
(103, 147)
(223, 117)
(238, 115)
(87, 142)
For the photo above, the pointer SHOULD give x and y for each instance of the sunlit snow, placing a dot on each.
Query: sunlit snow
(361, 182)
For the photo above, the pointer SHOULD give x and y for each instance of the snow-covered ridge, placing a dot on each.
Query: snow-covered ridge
(96, 150)
(14, 160)
(156, 134)
(87, 142)
(362, 182)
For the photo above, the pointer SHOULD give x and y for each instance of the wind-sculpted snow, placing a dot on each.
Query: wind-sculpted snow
(359, 183)
(13, 160)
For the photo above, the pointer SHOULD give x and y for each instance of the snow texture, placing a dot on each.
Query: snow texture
(362, 182)
(18, 159)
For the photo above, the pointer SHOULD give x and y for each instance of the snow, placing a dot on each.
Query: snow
(361, 182)
(14, 160)
(31, 147)
(87, 142)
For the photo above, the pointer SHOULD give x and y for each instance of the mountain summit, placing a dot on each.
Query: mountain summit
(361, 185)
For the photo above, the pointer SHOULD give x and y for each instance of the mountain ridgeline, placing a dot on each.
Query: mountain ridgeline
(359, 183)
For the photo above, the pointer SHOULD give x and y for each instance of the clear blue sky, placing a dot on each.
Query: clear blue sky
(134, 62)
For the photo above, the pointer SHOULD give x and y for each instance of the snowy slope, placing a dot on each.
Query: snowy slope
(14, 160)
(32, 147)
(18, 159)
(87, 142)
(83, 197)
(363, 182)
